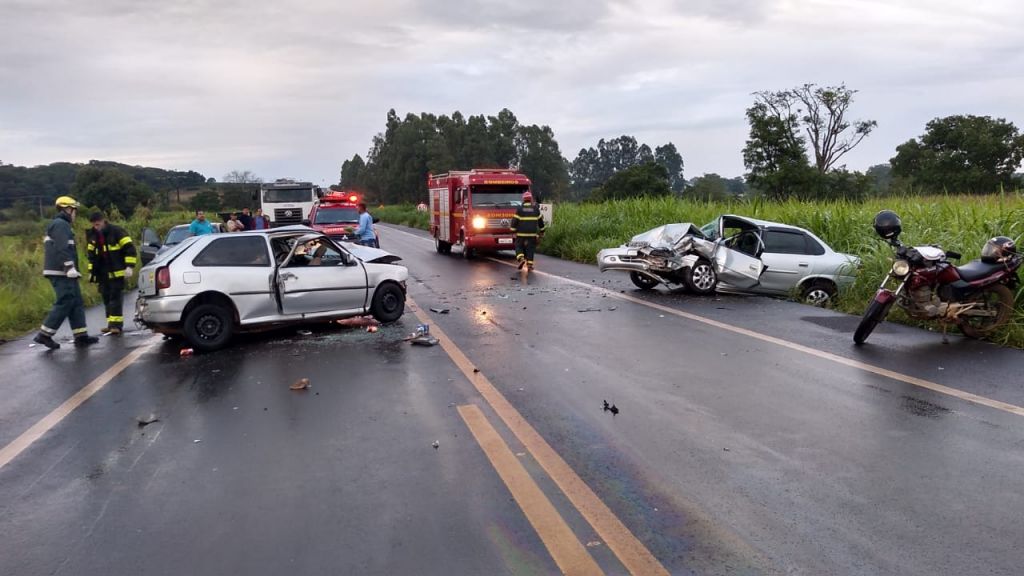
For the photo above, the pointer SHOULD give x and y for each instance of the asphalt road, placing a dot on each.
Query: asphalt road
(752, 438)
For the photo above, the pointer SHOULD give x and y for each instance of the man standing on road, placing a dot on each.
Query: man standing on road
(528, 226)
(60, 266)
(365, 232)
(200, 225)
(111, 260)
(246, 219)
(260, 222)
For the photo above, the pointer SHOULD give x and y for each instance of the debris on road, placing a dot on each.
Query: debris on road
(613, 308)
(440, 310)
(371, 329)
(593, 544)
(196, 441)
(305, 332)
(425, 340)
(147, 420)
(436, 444)
(360, 322)
(610, 408)
(300, 384)
(186, 352)
(589, 310)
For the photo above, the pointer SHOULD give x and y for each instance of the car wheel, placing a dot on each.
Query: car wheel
(467, 252)
(821, 293)
(643, 281)
(388, 303)
(701, 278)
(442, 247)
(209, 327)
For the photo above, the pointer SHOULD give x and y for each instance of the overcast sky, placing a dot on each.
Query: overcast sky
(294, 88)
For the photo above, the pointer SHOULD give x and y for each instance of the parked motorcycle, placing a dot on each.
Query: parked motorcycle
(978, 297)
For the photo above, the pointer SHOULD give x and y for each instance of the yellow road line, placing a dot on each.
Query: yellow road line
(565, 548)
(630, 551)
(19, 444)
(920, 382)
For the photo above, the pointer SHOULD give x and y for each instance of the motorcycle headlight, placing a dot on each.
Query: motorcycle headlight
(900, 268)
(479, 222)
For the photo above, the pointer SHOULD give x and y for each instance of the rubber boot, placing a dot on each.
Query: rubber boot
(85, 340)
(46, 340)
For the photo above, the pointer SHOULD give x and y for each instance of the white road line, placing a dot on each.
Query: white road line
(914, 381)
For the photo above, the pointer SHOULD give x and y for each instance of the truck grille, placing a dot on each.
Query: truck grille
(286, 216)
(500, 223)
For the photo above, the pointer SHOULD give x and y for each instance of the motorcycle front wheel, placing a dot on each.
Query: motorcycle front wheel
(996, 299)
(875, 313)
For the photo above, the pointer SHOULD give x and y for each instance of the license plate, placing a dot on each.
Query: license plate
(504, 240)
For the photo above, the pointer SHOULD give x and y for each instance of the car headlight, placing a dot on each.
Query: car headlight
(479, 222)
(900, 268)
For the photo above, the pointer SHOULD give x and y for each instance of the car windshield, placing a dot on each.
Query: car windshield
(498, 195)
(288, 195)
(176, 235)
(336, 216)
(710, 230)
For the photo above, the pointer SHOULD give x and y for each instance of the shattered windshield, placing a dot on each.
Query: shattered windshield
(665, 236)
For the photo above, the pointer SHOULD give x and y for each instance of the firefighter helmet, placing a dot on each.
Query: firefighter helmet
(888, 224)
(66, 202)
(998, 249)
(527, 196)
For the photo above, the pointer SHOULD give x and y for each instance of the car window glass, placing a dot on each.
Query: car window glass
(814, 248)
(745, 241)
(149, 237)
(177, 234)
(315, 253)
(780, 242)
(234, 251)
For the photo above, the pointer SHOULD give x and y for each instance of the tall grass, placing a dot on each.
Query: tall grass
(960, 223)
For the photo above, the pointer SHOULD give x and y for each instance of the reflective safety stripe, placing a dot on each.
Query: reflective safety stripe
(117, 274)
(527, 218)
(526, 235)
(124, 242)
(88, 267)
(48, 331)
(115, 318)
(79, 330)
(130, 260)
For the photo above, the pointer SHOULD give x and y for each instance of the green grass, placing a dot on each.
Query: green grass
(960, 223)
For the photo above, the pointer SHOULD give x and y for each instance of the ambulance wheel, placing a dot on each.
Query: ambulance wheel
(467, 252)
(442, 247)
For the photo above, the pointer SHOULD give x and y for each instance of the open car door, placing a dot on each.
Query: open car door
(317, 276)
(737, 252)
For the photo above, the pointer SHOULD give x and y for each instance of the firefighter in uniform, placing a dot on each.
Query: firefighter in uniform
(60, 261)
(528, 226)
(111, 260)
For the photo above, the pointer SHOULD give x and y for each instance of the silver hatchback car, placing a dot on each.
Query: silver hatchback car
(209, 287)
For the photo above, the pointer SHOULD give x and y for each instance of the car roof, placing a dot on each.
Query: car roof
(765, 223)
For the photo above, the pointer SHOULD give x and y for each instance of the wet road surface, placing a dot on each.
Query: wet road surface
(752, 438)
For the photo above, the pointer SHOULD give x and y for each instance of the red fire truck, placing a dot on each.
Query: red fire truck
(473, 209)
(336, 214)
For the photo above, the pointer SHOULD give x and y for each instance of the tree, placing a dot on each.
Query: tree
(881, 178)
(708, 187)
(969, 154)
(353, 174)
(109, 188)
(670, 158)
(824, 120)
(648, 179)
(206, 200)
(774, 153)
(539, 158)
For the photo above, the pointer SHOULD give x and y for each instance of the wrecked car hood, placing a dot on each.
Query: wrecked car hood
(665, 237)
(372, 255)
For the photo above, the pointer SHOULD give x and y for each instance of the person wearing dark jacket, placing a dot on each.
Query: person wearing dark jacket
(60, 266)
(246, 219)
(111, 262)
(528, 225)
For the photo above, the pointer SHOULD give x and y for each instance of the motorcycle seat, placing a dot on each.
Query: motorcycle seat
(976, 270)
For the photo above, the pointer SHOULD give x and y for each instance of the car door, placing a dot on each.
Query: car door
(318, 276)
(149, 245)
(240, 267)
(737, 252)
(786, 259)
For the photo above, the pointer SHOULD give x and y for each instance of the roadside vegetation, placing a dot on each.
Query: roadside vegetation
(959, 223)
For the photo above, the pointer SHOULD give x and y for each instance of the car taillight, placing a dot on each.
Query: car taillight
(163, 278)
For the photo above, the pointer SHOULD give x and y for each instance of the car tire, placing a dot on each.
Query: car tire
(208, 327)
(442, 247)
(820, 293)
(388, 303)
(468, 253)
(642, 281)
(701, 278)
